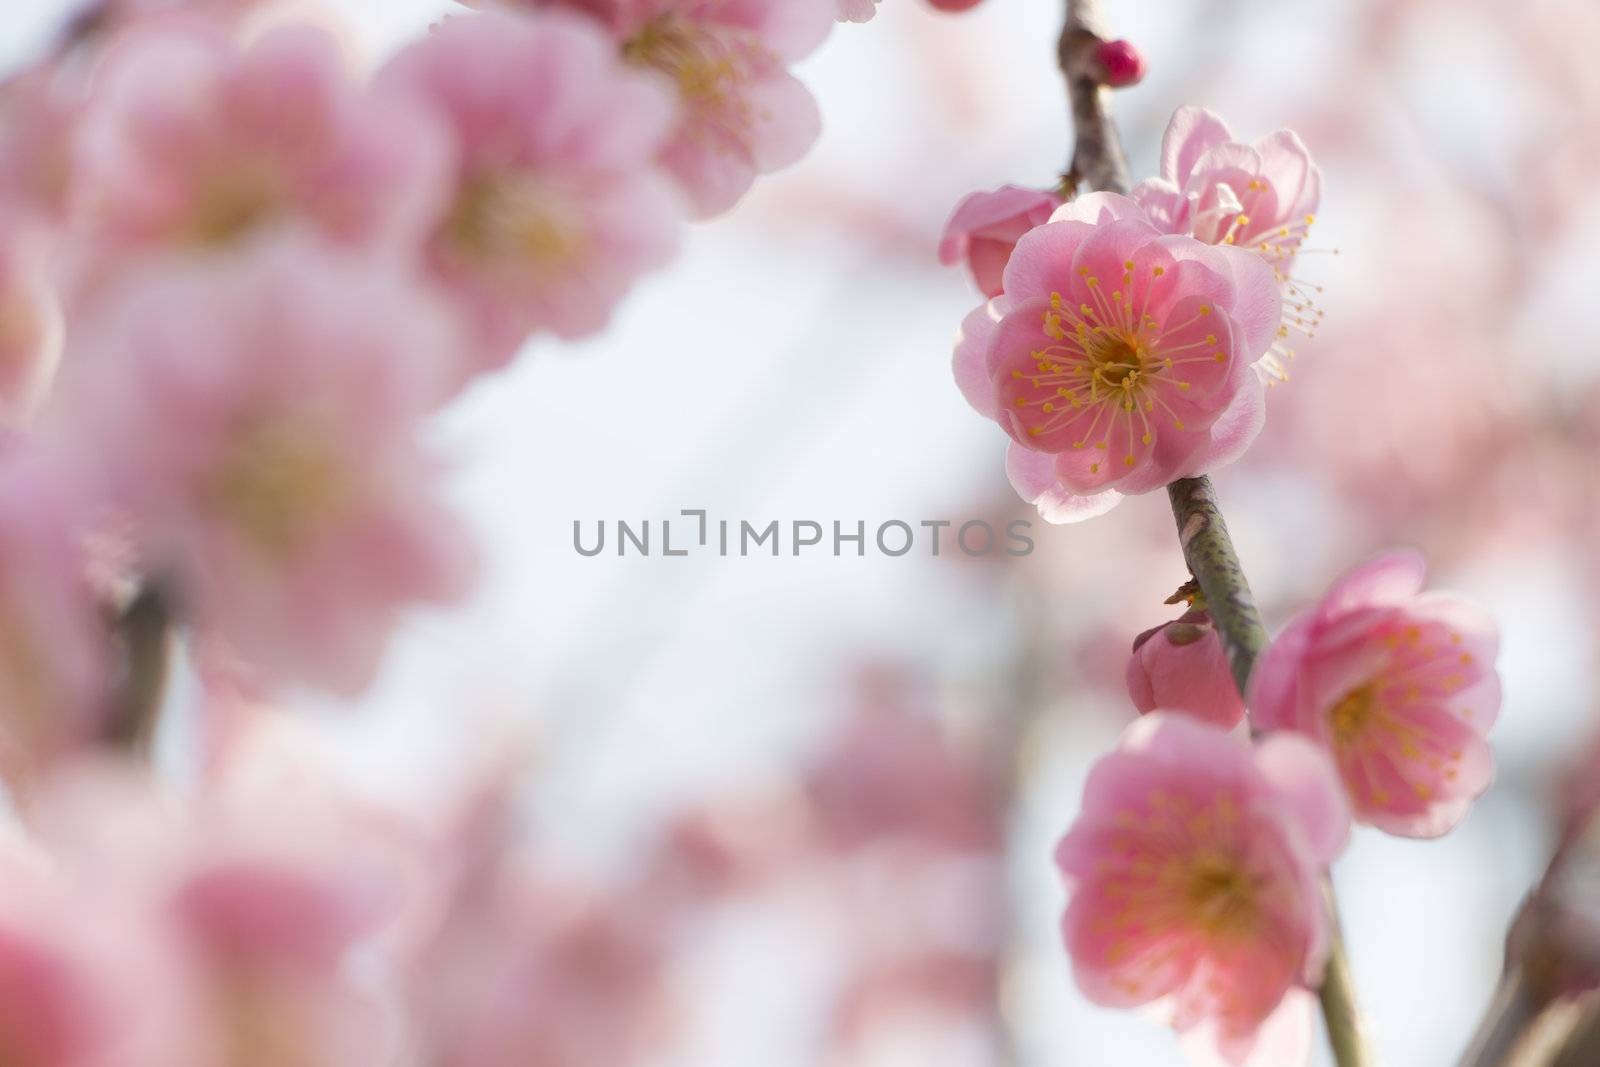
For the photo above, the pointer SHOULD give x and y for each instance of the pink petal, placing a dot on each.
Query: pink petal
(1190, 133)
(1312, 794)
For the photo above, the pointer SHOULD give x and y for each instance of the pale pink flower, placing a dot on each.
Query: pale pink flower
(985, 228)
(535, 975)
(190, 144)
(256, 417)
(1261, 197)
(1182, 666)
(1398, 685)
(1193, 875)
(744, 114)
(39, 111)
(556, 209)
(272, 937)
(1118, 358)
(55, 656)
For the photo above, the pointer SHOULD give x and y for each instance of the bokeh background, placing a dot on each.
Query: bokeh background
(860, 765)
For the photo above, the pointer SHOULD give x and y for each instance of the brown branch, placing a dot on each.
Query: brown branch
(1098, 163)
(144, 632)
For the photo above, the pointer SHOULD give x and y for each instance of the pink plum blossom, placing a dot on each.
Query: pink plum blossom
(188, 143)
(555, 208)
(538, 975)
(54, 650)
(1118, 358)
(743, 113)
(1193, 875)
(256, 418)
(1181, 665)
(1398, 685)
(1261, 197)
(985, 228)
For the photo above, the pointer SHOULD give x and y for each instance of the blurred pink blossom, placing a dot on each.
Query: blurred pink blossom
(1181, 666)
(1193, 875)
(1398, 685)
(1261, 197)
(282, 488)
(555, 209)
(189, 144)
(985, 228)
(743, 113)
(55, 654)
(1118, 359)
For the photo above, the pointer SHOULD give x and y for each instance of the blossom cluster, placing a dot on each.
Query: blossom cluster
(281, 917)
(1126, 343)
(1126, 340)
(238, 278)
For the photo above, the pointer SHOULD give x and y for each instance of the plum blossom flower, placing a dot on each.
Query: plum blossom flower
(556, 208)
(1398, 685)
(1118, 358)
(744, 114)
(1261, 197)
(188, 143)
(985, 228)
(1181, 666)
(256, 419)
(1193, 875)
(54, 650)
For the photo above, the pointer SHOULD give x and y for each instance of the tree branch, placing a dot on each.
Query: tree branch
(144, 629)
(1098, 163)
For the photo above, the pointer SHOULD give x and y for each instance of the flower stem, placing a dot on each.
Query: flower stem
(1098, 163)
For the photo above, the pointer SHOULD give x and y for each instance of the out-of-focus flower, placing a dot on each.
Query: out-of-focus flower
(1398, 685)
(1117, 358)
(189, 144)
(985, 228)
(1193, 874)
(891, 773)
(257, 418)
(556, 209)
(54, 651)
(1121, 64)
(1261, 197)
(39, 110)
(536, 976)
(743, 113)
(1182, 666)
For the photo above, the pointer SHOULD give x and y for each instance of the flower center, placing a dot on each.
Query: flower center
(233, 203)
(1352, 713)
(279, 486)
(514, 219)
(1110, 369)
(710, 69)
(1221, 894)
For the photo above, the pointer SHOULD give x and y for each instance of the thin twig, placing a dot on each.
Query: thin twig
(1098, 163)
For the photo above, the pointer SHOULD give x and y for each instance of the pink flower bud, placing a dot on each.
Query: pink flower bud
(1121, 63)
(1181, 666)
